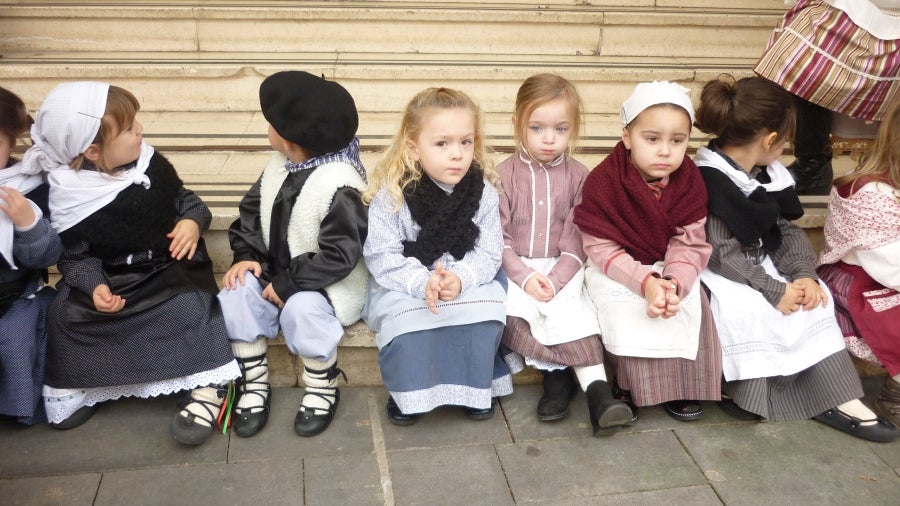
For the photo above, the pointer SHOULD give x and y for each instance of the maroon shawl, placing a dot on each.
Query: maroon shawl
(617, 205)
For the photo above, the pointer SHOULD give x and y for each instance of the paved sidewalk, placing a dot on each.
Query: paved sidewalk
(124, 456)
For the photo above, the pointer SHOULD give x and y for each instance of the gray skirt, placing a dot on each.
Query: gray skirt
(827, 384)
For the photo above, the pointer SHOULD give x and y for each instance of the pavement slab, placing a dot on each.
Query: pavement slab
(695, 496)
(343, 479)
(68, 490)
(271, 483)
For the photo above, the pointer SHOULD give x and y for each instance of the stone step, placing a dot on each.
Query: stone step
(612, 29)
(378, 84)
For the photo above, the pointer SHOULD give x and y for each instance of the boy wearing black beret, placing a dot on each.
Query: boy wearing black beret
(298, 249)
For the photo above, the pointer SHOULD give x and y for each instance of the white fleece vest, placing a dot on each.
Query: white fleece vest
(349, 294)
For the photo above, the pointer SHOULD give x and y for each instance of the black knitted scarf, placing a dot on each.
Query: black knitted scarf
(445, 219)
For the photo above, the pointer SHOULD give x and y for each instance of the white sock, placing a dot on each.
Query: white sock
(859, 410)
(317, 382)
(257, 373)
(589, 374)
(896, 377)
(200, 411)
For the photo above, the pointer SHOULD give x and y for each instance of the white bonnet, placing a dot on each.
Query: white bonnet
(65, 125)
(658, 92)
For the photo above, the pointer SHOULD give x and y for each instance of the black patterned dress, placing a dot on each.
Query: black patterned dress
(170, 336)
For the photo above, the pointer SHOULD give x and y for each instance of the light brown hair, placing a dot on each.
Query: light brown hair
(121, 109)
(539, 89)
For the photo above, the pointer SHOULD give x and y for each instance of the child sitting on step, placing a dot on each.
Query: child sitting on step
(437, 298)
(550, 320)
(642, 215)
(783, 353)
(861, 260)
(136, 313)
(28, 245)
(298, 249)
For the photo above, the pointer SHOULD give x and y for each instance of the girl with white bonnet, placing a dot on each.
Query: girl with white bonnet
(642, 215)
(28, 246)
(136, 313)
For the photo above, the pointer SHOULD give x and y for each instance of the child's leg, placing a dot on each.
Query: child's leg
(607, 414)
(312, 332)
(249, 320)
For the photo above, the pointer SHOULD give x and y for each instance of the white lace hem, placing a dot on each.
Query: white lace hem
(61, 403)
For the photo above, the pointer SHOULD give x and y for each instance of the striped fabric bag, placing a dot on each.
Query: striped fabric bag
(819, 54)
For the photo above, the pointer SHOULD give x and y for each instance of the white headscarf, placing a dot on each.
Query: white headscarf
(13, 177)
(658, 92)
(64, 128)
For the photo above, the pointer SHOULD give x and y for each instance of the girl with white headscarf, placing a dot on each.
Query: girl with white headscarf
(28, 246)
(136, 312)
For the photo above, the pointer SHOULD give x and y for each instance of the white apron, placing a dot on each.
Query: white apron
(758, 341)
(628, 331)
(569, 316)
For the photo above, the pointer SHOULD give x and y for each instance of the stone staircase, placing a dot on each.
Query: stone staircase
(196, 68)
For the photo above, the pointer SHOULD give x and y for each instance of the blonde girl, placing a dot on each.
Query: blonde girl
(551, 324)
(437, 295)
(860, 261)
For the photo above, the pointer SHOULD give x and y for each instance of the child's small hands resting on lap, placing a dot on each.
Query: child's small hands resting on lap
(539, 287)
(235, 273)
(802, 293)
(105, 301)
(184, 237)
(662, 299)
(443, 285)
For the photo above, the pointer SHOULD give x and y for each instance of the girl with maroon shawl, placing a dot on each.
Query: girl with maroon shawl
(642, 216)
(860, 261)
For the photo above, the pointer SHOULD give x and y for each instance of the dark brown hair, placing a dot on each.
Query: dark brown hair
(14, 118)
(739, 112)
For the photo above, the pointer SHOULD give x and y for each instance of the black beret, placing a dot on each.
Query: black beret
(318, 115)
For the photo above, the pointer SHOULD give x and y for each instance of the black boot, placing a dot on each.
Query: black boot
(812, 169)
(559, 387)
(607, 414)
(888, 403)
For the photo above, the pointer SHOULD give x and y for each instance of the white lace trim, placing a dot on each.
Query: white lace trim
(61, 403)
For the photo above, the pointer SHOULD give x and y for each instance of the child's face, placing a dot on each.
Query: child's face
(658, 140)
(445, 146)
(6, 146)
(548, 130)
(125, 147)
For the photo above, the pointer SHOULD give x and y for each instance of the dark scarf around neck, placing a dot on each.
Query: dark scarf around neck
(446, 220)
(617, 205)
(751, 218)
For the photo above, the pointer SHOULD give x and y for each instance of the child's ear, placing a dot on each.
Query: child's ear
(769, 140)
(413, 152)
(92, 153)
(626, 138)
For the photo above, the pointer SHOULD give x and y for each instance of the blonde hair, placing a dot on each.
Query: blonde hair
(883, 158)
(539, 89)
(397, 169)
(121, 109)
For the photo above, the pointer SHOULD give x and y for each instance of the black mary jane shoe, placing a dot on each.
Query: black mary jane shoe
(313, 421)
(730, 408)
(880, 432)
(397, 417)
(480, 414)
(684, 410)
(83, 414)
